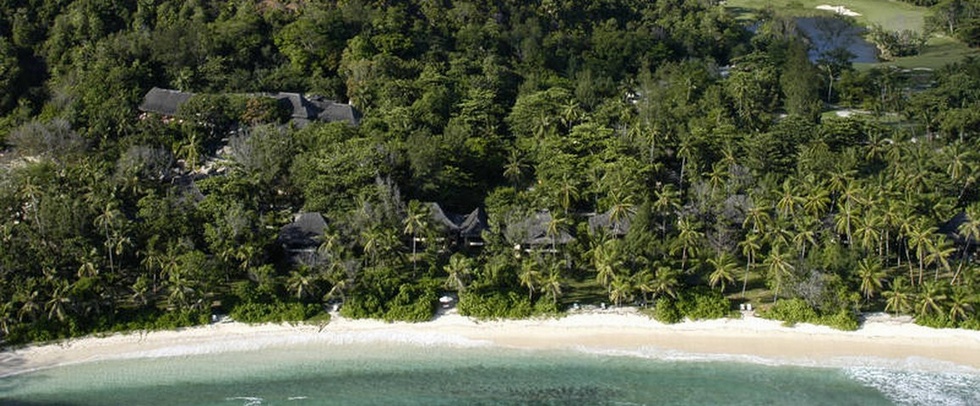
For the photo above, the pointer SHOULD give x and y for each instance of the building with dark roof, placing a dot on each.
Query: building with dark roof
(604, 223)
(472, 228)
(532, 233)
(164, 102)
(456, 228)
(302, 110)
(301, 238)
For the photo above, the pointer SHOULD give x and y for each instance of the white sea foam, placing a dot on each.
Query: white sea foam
(661, 354)
(907, 387)
(278, 341)
(909, 365)
(248, 400)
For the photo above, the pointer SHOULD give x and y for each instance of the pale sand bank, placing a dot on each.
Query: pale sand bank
(882, 341)
(839, 10)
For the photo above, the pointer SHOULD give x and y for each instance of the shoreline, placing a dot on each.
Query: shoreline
(882, 341)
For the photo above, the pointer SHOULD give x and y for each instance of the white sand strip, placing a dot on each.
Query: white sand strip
(895, 341)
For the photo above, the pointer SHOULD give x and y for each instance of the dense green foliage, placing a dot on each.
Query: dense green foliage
(699, 303)
(706, 138)
(798, 311)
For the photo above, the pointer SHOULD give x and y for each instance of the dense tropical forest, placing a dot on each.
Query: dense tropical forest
(655, 153)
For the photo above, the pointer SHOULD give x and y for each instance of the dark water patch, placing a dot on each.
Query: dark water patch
(829, 33)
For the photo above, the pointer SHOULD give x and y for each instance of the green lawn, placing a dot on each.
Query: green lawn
(938, 52)
(890, 14)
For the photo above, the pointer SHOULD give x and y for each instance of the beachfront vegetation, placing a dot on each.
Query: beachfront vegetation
(702, 151)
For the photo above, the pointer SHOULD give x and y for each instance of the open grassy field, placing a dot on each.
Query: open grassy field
(938, 52)
(890, 14)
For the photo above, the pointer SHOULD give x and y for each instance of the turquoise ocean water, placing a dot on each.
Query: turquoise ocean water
(406, 374)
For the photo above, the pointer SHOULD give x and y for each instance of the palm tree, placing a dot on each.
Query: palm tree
(621, 208)
(341, 282)
(890, 215)
(900, 298)
(932, 298)
(29, 304)
(717, 176)
(788, 200)
(458, 271)
(554, 229)
(180, 290)
(301, 283)
(777, 262)
(667, 202)
(969, 231)
(371, 243)
(621, 290)
(872, 276)
(416, 220)
(60, 299)
(108, 219)
(750, 248)
(514, 168)
(688, 240)
(605, 259)
(643, 281)
(816, 202)
(723, 270)
(758, 216)
(866, 229)
(529, 277)
(6, 316)
(961, 304)
(666, 282)
(552, 284)
(843, 222)
(567, 192)
(940, 249)
(805, 234)
(920, 240)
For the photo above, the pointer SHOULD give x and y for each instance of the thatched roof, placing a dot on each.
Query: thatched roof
(317, 108)
(164, 101)
(331, 111)
(604, 221)
(302, 110)
(474, 224)
(304, 232)
(445, 222)
(534, 231)
(296, 104)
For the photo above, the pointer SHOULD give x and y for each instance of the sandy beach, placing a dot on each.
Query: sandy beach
(882, 341)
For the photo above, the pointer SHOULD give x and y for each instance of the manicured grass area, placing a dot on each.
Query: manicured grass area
(938, 51)
(890, 14)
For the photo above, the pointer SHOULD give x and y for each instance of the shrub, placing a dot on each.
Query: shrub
(494, 305)
(794, 311)
(411, 304)
(702, 303)
(665, 311)
(275, 312)
(894, 44)
(934, 320)
(842, 320)
(545, 306)
(791, 311)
